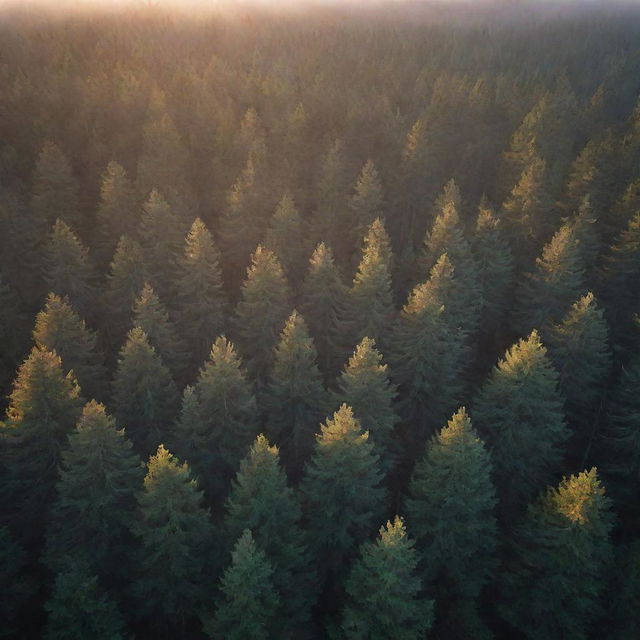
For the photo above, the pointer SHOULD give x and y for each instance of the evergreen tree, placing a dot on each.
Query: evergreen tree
(623, 611)
(67, 270)
(342, 489)
(366, 204)
(519, 411)
(14, 333)
(295, 402)
(450, 509)
(78, 610)
(261, 501)
(145, 397)
(218, 421)
(176, 537)
(95, 503)
(58, 328)
(250, 602)
(201, 300)
(383, 590)
(43, 408)
(585, 227)
(553, 582)
(261, 312)
(55, 189)
(322, 304)
(364, 385)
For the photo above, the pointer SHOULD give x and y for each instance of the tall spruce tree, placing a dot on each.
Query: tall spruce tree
(261, 500)
(366, 203)
(556, 575)
(384, 591)
(14, 333)
(145, 397)
(294, 401)
(519, 410)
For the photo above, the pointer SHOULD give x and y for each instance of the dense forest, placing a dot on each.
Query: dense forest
(320, 323)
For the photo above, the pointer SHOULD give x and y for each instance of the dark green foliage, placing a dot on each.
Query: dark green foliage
(364, 385)
(366, 203)
(624, 604)
(14, 333)
(145, 398)
(200, 299)
(78, 610)
(450, 511)
(95, 504)
(552, 584)
(294, 400)
(519, 411)
(383, 590)
(261, 501)
(342, 490)
(173, 576)
(261, 312)
(218, 421)
(58, 328)
(249, 603)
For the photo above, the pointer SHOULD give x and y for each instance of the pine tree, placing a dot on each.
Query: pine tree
(176, 538)
(201, 300)
(55, 188)
(95, 503)
(553, 582)
(450, 510)
(623, 611)
(78, 609)
(261, 500)
(261, 312)
(342, 489)
(144, 394)
(322, 304)
(366, 204)
(43, 408)
(519, 411)
(14, 333)
(285, 238)
(294, 401)
(364, 385)
(67, 270)
(384, 591)
(58, 328)
(250, 601)
(585, 228)
(218, 421)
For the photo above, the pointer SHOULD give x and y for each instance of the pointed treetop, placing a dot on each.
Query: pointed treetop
(342, 427)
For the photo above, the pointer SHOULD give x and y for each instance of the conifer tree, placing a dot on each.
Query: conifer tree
(366, 204)
(14, 333)
(384, 591)
(322, 304)
(450, 509)
(295, 402)
(176, 538)
(201, 300)
(585, 228)
(261, 500)
(519, 411)
(364, 385)
(261, 312)
(623, 609)
(58, 328)
(43, 408)
(218, 420)
(553, 582)
(67, 271)
(342, 489)
(55, 189)
(95, 504)
(144, 394)
(249, 600)
(78, 609)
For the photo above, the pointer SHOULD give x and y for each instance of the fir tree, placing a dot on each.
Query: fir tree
(623, 610)
(261, 312)
(553, 582)
(295, 402)
(249, 600)
(58, 328)
(201, 300)
(14, 333)
(366, 203)
(95, 503)
(519, 411)
(144, 394)
(176, 538)
(384, 591)
(261, 500)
